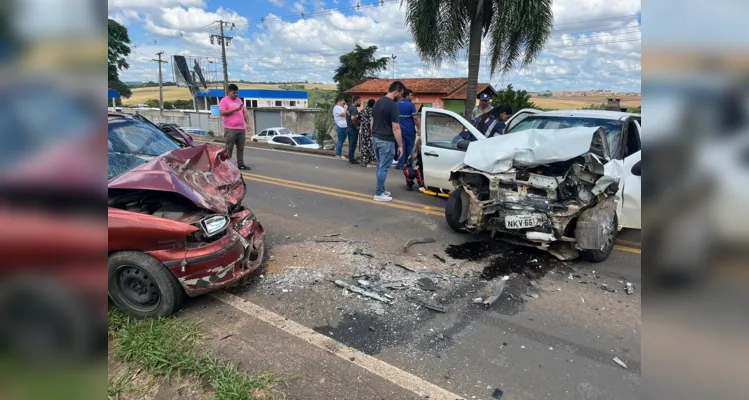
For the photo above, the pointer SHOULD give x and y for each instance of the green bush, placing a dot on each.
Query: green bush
(323, 124)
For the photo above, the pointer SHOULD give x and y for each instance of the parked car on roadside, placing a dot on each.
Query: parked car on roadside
(549, 182)
(177, 225)
(328, 142)
(196, 131)
(294, 141)
(266, 134)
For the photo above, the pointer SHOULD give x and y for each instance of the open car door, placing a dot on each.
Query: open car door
(519, 116)
(439, 149)
(629, 208)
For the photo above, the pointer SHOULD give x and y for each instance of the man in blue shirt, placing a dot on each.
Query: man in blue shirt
(410, 126)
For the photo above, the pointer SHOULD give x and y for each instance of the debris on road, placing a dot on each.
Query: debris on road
(421, 240)
(331, 235)
(497, 394)
(630, 288)
(440, 336)
(427, 284)
(363, 283)
(499, 288)
(478, 300)
(620, 362)
(439, 257)
(338, 239)
(535, 296)
(363, 292)
(405, 267)
(424, 304)
(361, 252)
(226, 337)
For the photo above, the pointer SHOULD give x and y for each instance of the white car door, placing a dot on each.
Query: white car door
(519, 116)
(630, 195)
(439, 151)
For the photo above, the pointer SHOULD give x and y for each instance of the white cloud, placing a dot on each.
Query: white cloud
(593, 46)
(277, 3)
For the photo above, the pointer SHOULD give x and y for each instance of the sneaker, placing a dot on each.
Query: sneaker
(245, 168)
(410, 187)
(382, 197)
(388, 194)
(422, 189)
(394, 162)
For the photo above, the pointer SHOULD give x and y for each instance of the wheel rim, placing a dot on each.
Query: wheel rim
(609, 232)
(137, 289)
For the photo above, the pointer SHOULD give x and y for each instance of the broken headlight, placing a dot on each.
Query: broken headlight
(213, 225)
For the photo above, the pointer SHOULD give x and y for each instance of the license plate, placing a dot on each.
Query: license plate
(522, 221)
(244, 241)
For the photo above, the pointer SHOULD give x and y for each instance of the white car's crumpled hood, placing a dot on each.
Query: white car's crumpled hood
(528, 148)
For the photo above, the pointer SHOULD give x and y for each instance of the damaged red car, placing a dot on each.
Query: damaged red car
(177, 226)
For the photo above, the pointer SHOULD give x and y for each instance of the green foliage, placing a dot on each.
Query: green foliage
(517, 99)
(153, 103)
(169, 346)
(211, 134)
(357, 66)
(319, 98)
(594, 107)
(119, 49)
(515, 30)
(323, 124)
(171, 105)
(635, 110)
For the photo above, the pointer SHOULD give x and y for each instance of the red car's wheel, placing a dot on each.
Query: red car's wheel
(142, 286)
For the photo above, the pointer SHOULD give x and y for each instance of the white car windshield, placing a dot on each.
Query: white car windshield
(284, 131)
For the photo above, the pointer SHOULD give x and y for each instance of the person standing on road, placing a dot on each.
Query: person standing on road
(483, 106)
(409, 122)
(365, 140)
(352, 123)
(412, 169)
(339, 115)
(236, 120)
(386, 135)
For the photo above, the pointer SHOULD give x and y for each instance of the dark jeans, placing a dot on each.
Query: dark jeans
(353, 137)
(235, 137)
(408, 148)
(341, 132)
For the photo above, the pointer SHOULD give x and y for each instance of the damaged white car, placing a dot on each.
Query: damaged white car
(560, 182)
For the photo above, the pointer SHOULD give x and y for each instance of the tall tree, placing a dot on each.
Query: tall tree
(119, 48)
(516, 29)
(518, 99)
(358, 66)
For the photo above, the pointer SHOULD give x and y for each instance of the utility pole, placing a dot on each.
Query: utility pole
(223, 41)
(393, 56)
(161, 87)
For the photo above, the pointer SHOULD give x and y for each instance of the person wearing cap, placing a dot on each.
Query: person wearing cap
(483, 106)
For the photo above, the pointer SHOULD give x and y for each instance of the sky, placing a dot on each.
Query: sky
(595, 43)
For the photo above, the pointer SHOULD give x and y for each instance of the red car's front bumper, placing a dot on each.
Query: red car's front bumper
(219, 264)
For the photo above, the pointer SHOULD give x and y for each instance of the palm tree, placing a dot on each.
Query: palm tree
(517, 30)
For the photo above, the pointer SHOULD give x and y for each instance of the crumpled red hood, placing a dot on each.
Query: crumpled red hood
(204, 174)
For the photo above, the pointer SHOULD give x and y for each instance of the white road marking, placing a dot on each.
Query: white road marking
(376, 366)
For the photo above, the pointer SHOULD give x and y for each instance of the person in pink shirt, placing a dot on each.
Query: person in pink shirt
(236, 120)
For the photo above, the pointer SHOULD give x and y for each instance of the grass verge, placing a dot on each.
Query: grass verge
(170, 346)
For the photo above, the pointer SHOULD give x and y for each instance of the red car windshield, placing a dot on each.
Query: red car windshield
(132, 143)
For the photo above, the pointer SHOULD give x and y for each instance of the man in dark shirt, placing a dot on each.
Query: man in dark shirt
(352, 127)
(386, 134)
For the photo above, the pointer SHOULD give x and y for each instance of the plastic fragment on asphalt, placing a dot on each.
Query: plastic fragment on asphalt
(497, 394)
(535, 296)
(362, 292)
(427, 284)
(424, 304)
(439, 257)
(497, 292)
(478, 300)
(620, 362)
(630, 288)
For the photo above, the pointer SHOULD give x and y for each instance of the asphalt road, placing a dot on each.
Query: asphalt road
(559, 345)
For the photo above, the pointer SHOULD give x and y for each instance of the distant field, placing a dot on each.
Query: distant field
(573, 103)
(172, 93)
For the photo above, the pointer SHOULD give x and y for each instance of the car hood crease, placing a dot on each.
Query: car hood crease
(530, 148)
(203, 174)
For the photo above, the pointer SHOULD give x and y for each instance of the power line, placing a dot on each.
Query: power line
(223, 41)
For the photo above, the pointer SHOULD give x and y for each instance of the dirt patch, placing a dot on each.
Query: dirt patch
(129, 382)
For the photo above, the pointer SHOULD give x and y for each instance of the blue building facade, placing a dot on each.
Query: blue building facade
(257, 98)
